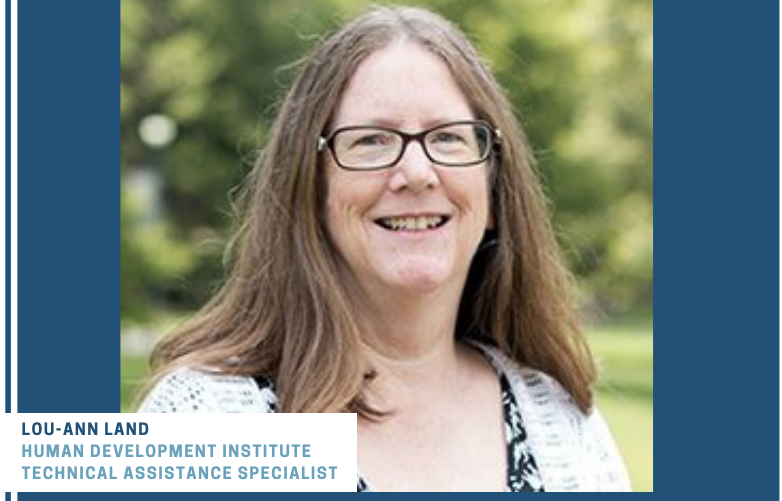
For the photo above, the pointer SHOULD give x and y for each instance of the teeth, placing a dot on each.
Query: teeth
(411, 223)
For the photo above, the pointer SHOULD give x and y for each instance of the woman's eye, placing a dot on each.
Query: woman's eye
(372, 140)
(447, 137)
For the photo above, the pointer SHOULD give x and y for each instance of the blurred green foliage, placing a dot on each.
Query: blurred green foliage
(580, 75)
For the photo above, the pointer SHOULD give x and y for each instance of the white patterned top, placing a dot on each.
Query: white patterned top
(573, 451)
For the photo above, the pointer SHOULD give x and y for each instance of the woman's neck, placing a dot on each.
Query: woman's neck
(411, 345)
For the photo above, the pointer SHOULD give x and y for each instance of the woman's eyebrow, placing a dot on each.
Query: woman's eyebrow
(397, 124)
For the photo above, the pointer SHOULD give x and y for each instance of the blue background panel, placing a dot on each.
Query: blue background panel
(68, 206)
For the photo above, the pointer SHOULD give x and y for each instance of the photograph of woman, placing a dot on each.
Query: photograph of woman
(395, 259)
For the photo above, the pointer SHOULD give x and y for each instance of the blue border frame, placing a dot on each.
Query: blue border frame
(718, 65)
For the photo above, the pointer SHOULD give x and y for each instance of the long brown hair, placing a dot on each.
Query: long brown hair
(284, 312)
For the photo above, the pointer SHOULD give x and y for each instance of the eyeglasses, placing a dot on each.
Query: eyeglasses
(454, 144)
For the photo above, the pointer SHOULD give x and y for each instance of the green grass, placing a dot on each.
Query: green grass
(626, 392)
(624, 351)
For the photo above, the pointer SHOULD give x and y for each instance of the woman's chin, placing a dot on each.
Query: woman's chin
(420, 279)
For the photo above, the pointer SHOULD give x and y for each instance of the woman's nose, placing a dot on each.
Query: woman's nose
(414, 170)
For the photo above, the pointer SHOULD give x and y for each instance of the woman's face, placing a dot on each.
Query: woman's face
(415, 226)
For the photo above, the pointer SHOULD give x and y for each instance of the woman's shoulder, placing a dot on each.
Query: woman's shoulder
(191, 390)
(536, 387)
(575, 450)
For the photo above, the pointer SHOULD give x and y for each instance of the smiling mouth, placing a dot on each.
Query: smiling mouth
(412, 223)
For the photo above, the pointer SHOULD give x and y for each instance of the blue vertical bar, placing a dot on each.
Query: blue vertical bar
(8, 207)
(67, 345)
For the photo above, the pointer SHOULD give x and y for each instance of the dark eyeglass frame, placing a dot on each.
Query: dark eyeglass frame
(494, 141)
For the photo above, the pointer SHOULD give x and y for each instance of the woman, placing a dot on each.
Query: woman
(395, 260)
